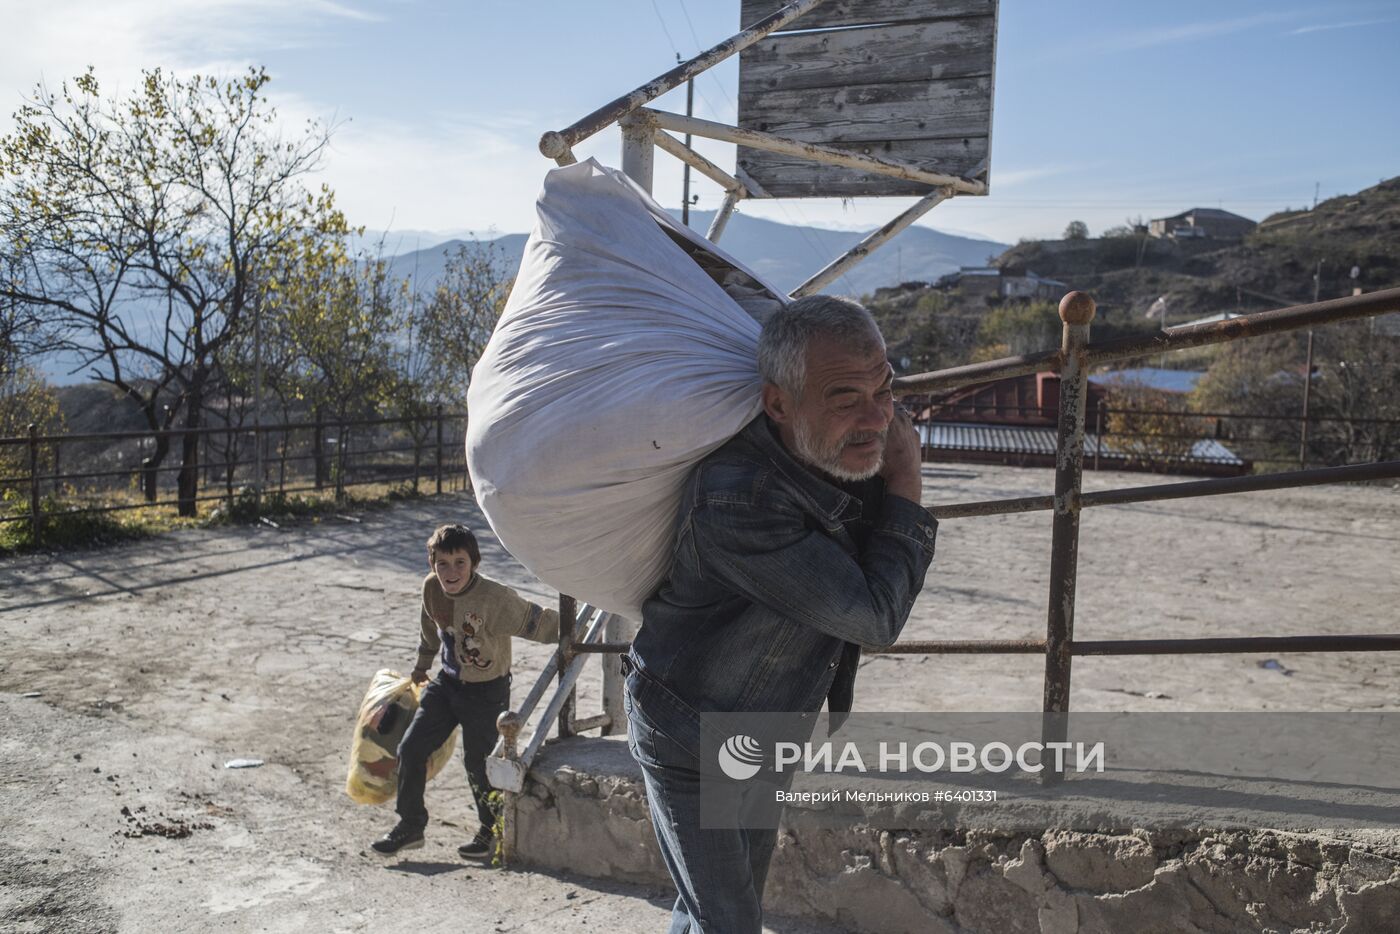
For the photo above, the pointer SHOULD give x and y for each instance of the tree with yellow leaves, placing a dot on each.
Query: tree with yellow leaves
(142, 230)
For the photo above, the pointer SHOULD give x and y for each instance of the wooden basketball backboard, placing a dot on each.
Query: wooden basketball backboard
(909, 80)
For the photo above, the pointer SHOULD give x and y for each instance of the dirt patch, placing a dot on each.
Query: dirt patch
(142, 824)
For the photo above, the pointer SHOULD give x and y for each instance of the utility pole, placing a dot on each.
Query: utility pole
(685, 169)
(1307, 377)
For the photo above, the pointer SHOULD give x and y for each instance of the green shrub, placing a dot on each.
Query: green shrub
(62, 526)
(404, 491)
(496, 802)
(244, 508)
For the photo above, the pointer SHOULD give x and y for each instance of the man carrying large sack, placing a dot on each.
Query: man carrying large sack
(799, 542)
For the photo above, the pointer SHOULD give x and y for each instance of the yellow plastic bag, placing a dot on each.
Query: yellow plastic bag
(385, 713)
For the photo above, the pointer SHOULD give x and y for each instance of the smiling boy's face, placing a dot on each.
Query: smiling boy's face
(453, 570)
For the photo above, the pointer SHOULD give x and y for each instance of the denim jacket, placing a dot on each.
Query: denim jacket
(778, 578)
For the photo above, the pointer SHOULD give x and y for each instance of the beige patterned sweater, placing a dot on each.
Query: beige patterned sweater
(473, 629)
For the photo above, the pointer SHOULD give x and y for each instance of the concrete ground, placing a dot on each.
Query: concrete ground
(156, 663)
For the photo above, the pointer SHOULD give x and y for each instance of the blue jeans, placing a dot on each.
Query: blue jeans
(718, 873)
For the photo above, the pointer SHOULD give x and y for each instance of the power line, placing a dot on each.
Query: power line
(688, 23)
(714, 111)
(713, 77)
(657, 10)
(801, 228)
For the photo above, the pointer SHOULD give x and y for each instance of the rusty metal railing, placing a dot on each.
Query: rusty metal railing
(1076, 353)
(1297, 317)
(1072, 362)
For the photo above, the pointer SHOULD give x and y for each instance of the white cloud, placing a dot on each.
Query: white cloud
(58, 39)
(1322, 27)
(1188, 32)
(429, 170)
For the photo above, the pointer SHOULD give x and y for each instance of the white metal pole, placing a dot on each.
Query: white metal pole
(863, 249)
(668, 143)
(618, 629)
(638, 150)
(731, 198)
(557, 145)
(709, 129)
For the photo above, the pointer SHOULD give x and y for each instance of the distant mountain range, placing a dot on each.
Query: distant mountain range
(784, 254)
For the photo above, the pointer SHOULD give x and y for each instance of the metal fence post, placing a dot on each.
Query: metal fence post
(1076, 311)
(258, 440)
(1307, 393)
(317, 455)
(35, 516)
(148, 477)
(414, 423)
(342, 442)
(437, 460)
(1098, 433)
(568, 620)
(57, 466)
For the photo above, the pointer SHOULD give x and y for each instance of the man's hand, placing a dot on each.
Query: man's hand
(419, 675)
(901, 468)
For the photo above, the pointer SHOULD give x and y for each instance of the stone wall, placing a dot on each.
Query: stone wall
(584, 810)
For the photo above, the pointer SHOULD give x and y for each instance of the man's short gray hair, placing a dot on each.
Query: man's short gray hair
(782, 348)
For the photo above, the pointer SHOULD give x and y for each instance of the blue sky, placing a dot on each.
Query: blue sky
(1104, 109)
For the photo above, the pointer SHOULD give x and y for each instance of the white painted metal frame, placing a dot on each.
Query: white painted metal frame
(814, 151)
(506, 766)
(643, 129)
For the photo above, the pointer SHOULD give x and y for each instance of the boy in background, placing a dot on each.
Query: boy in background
(470, 619)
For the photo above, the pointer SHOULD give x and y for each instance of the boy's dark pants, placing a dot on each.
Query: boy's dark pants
(444, 704)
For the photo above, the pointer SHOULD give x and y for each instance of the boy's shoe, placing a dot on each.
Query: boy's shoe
(481, 846)
(402, 837)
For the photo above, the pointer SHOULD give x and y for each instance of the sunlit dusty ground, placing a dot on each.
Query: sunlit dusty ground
(158, 662)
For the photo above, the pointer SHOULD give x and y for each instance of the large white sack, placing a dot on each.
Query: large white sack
(618, 364)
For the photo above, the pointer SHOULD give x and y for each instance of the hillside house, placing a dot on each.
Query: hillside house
(1211, 223)
(991, 285)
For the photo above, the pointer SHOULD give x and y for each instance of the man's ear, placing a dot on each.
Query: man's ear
(777, 404)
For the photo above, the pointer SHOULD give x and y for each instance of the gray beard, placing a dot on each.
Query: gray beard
(828, 460)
